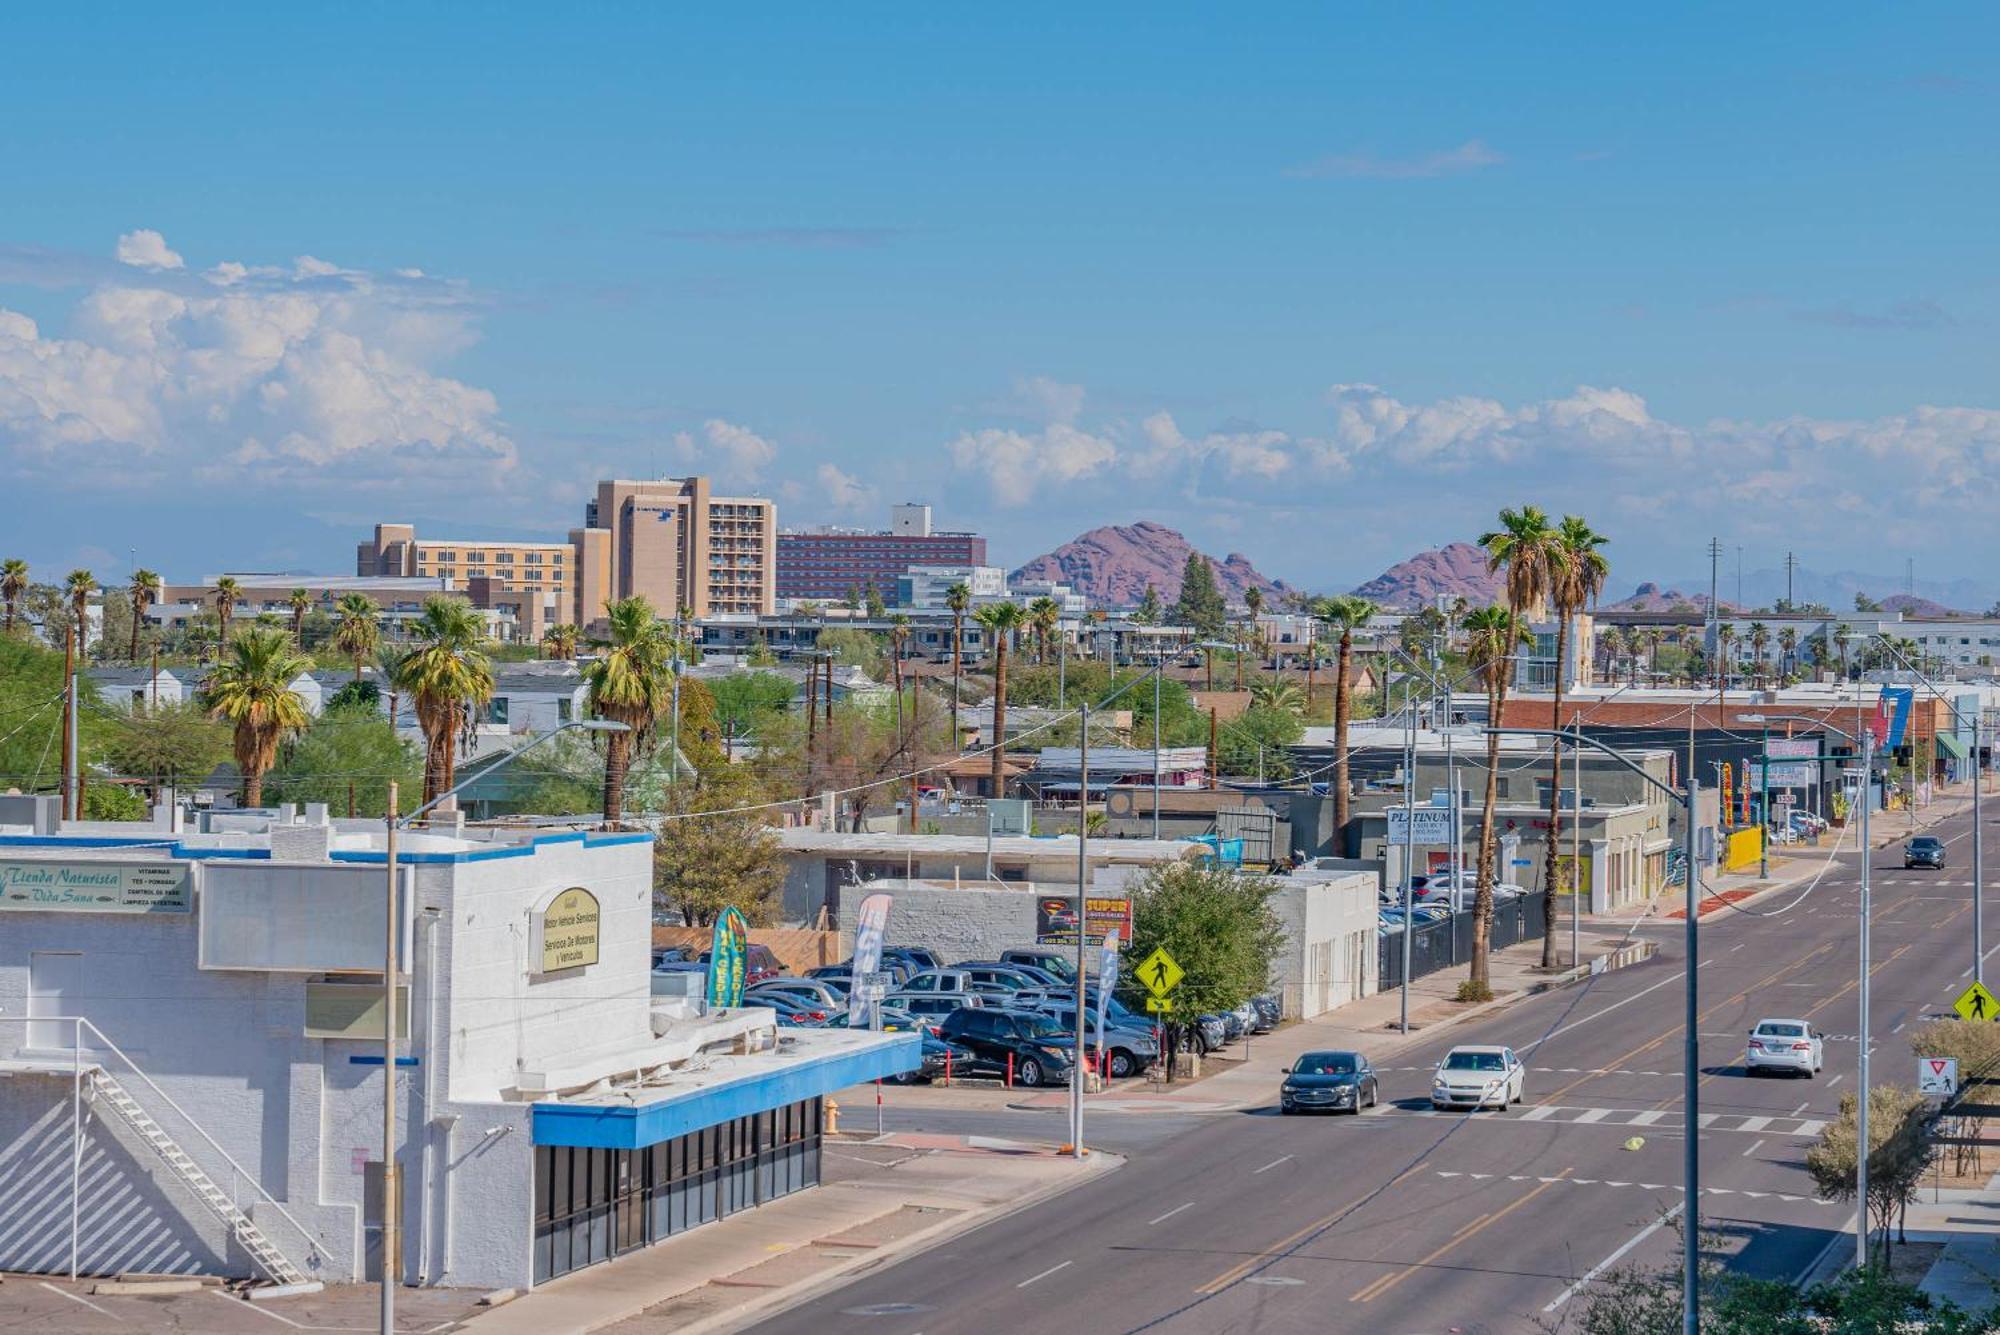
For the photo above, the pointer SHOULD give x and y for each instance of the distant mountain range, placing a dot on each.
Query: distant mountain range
(1454, 571)
(1114, 566)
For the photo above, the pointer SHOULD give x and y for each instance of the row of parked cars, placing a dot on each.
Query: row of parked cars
(1011, 1016)
(1434, 898)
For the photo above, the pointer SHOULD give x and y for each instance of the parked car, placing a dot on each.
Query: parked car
(839, 974)
(894, 1020)
(1128, 1048)
(938, 980)
(1334, 1081)
(988, 974)
(674, 955)
(1232, 1026)
(936, 1053)
(1050, 960)
(759, 964)
(1926, 850)
(791, 1011)
(815, 991)
(933, 1006)
(1478, 1076)
(918, 958)
(1269, 1008)
(1785, 1045)
(1040, 1051)
(1204, 1035)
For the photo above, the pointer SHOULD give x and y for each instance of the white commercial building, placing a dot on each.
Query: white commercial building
(191, 1056)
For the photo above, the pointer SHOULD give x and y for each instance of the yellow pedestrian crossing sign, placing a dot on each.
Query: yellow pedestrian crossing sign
(1158, 973)
(1976, 1003)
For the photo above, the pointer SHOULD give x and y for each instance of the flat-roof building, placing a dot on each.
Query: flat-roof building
(833, 563)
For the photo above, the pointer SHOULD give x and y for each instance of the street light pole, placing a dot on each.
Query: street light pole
(1159, 666)
(1409, 856)
(1689, 798)
(1764, 808)
(1082, 919)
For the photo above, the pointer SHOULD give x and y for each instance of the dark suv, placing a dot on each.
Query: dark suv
(1038, 1046)
(1926, 850)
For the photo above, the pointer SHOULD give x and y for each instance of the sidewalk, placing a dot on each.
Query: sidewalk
(1963, 1223)
(916, 1191)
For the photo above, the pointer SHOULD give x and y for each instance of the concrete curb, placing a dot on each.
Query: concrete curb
(839, 1276)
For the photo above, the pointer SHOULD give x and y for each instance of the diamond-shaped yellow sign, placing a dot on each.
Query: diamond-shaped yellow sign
(1158, 973)
(1976, 1003)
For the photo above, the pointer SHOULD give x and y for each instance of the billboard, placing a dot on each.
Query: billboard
(1792, 748)
(1433, 825)
(1056, 919)
(1790, 774)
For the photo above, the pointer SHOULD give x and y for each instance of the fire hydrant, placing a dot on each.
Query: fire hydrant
(832, 1118)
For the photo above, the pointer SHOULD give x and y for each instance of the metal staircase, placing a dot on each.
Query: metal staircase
(272, 1261)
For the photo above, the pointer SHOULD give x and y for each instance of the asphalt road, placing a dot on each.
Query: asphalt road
(1405, 1220)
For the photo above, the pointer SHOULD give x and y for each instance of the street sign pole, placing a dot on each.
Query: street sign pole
(1082, 924)
(1409, 858)
(1764, 809)
(1691, 1084)
(1861, 1093)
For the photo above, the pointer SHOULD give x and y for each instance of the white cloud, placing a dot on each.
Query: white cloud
(1017, 464)
(1240, 454)
(844, 491)
(1471, 155)
(727, 449)
(147, 249)
(1049, 400)
(249, 374)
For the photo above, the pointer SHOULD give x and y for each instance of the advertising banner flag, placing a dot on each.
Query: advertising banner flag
(871, 928)
(728, 957)
(1107, 978)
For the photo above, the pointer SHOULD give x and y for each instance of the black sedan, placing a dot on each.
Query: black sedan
(1926, 850)
(1329, 1081)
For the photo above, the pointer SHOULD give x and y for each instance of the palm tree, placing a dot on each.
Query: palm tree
(144, 592)
(1654, 635)
(958, 597)
(1253, 603)
(13, 583)
(559, 642)
(1840, 633)
(899, 634)
(1610, 643)
(78, 587)
(1760, 639)
(1574, 571)
(631, 683)
(252, 689)
(446, 677)
(1347, 614)
(1788, 648)
(1725, 639)
(1000, 621)
(1044, 617)
(227, 594)
(1277, 693)
(1493, 635)
(1689, 640)
(301, 601)
(355, 630)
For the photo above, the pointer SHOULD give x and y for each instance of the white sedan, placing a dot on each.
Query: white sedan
(1473, 1076)
(1785, 1045)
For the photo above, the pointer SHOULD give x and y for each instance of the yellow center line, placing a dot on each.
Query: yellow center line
(1242, 1268)
(1370, 1292)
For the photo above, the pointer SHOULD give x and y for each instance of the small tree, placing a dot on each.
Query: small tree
(1201, 604)
(1218, 925)
(165, 743)
(1898, 1153)
(703, 863)
(1148, 611)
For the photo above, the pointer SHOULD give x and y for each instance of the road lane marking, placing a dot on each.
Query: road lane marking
(1045, 1274)
(1597, 1115)
(1647, 1118)
(1755, 1124)
(1170, 1214)
(1269, 1166)
(1244, 1267)
(1369, 1293)
(1536, 1114)
(1595, 1015)
(1753, 1149)
(1613, 1259)
(1830, 1084)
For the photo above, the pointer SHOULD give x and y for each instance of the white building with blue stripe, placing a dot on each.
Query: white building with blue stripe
(191, 1056)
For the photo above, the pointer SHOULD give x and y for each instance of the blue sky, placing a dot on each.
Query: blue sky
(1322, 285)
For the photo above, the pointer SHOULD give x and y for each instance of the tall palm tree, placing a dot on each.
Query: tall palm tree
(1725, 641)
(1574, 570)
(1654, 635)
(958, 597)
(899, 634)
(13, 583)
(252, 689)
(1000, 621)
(1492, 637)
(1044, 616)
(1528, 550)
(355, 630)
(630, 683)
(1840, 633)
(301, 601)
(1760, 639)
(1788, 648)
(1346, 614)
(77, 587)
(144, 592)
(446, 677)
(228, 593)
(1610, 643)
(1253, 603)
(1689, 640)
(559, 642)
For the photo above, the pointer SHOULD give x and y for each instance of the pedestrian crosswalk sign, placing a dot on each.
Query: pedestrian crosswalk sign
(1158, 973)
(1976, 1003)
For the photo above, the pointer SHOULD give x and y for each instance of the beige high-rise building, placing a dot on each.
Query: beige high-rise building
(675, 542)
(668, 539)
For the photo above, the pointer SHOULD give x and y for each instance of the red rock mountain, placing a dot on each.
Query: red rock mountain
(1454, 571)
(1113, 565)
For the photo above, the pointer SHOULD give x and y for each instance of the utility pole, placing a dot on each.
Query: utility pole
(68, 802)
(1739, 577)
(1791, 570)
(1159, 666)
(1082, 918)
(390, 1251)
